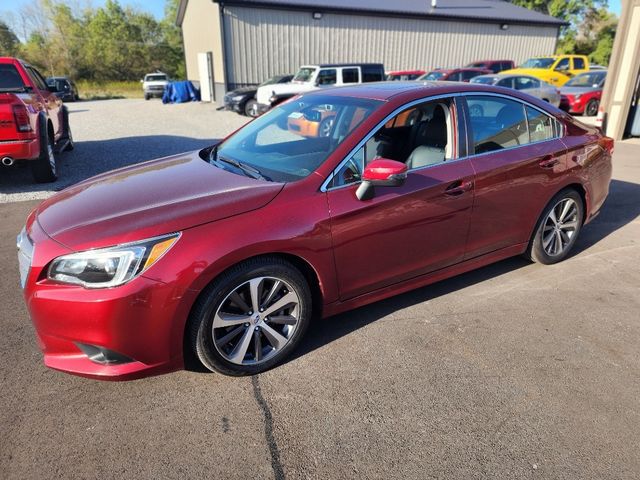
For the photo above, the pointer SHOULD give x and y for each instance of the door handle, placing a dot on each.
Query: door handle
(458, 188)
(549, 162)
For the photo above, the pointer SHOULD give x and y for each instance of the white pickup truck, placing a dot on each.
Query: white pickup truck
(312, 77)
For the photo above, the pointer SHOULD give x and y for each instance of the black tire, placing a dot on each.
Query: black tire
(591, 110)
(538, 250)
(147, 96)
(67, 131)
(200, 324)
(249, 108)
(44, 168)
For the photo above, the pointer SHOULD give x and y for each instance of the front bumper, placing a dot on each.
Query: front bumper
(134, 322)
(232, 105)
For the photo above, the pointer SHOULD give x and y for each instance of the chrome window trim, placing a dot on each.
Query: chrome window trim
(324, 187)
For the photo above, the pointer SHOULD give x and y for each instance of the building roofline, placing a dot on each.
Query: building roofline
(286, 5)
(182, 8)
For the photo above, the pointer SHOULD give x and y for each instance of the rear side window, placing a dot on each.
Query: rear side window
(10, 79)
(525, 83)
(541, 126)
(37, 78)
(454, 77)
(496, 123)
(327, 77)
(372, 73)
(495, 67)
(350, 75)
(578, 63)
(506, 82)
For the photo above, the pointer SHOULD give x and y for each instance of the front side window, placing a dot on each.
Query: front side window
(295, 138)
(350, 75)
(496, 123)
(419, 136)
(562, 64)
(327, 77)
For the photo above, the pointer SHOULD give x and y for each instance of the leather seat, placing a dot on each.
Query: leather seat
(430, 141)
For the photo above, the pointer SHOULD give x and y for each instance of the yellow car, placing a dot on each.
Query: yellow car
(556, 70)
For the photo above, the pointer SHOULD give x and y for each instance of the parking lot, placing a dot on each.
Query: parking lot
(516, 370)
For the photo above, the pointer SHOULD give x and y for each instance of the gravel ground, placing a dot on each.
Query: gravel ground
(114, 133)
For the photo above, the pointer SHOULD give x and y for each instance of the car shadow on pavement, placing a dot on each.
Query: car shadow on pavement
(622, 207)
(94, 157)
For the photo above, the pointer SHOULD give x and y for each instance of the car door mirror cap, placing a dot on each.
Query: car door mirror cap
(381, 172)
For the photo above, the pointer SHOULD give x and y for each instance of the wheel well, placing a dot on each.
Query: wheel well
(302, 265)
(583, 194)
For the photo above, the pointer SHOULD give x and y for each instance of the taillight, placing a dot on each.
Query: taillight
(21, 118)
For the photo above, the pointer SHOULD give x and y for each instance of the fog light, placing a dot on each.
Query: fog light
(102, 355)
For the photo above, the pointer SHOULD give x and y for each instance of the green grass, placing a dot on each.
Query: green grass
(108, 90)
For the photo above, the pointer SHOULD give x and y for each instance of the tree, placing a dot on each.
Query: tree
(9, 43)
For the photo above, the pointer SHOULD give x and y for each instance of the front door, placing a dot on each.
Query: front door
(406, 231)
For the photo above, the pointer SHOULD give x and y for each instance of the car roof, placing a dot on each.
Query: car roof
(405, 72)
(354, 64)
(491, 61)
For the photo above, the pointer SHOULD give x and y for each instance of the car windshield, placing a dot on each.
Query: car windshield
(304, 74)
(270, 81)
(432, 76)
(294, 139)
(155, 78)
(10, 79)
(484, 80)
(543, 62)
(586, 79)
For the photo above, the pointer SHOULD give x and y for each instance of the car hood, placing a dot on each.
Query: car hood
(242, 91)
(149, 199)
(576, 90)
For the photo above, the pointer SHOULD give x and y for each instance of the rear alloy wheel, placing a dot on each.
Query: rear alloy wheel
(44, 168)
(251, 318)
(591, 110)
(558, 228)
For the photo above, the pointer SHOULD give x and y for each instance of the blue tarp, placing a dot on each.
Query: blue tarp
(180, 92)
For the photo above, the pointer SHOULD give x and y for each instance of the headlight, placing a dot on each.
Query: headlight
(237, 98)
(110, 267)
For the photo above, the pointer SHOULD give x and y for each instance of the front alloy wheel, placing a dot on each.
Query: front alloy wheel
(251, 317)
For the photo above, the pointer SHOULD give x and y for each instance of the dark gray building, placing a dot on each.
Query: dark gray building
(251, 40)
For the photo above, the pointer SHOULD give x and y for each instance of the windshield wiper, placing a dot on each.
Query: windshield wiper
(248, 170)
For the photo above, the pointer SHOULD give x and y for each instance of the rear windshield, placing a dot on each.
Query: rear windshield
(10, 79)
(155, 78)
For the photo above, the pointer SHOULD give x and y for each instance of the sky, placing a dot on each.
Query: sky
(155, 7)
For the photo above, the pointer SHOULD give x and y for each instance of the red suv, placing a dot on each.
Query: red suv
(496, 66)
(229, 252)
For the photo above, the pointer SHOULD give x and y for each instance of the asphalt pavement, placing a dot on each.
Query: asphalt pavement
(516, 370)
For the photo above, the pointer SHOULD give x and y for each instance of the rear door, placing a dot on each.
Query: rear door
(519, 160)
(406, 231)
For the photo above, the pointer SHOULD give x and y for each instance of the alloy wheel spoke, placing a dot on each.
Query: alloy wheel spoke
(230, 336)
(558, 242)
(222, 319)
(285, 301)
(239, 301)
(547, 241)
(239, 352)
(283, 320)
(255, 288)
(272, 293)
(565, 237)
(275, 339)
(565, 207)
(552, 216)
(257, 342)
(570, 225)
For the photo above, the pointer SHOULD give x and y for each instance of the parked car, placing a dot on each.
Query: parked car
(453, 74)
(525, 83)
(556, 70)
(34, 124)
(403, 75)
(597, 67)
(242, 100)
(313, 77)
(153, 84)
(581, 94)
(64, 88)
(496, 66)
(410, 194)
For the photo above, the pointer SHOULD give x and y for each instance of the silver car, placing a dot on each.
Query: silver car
(525, 83)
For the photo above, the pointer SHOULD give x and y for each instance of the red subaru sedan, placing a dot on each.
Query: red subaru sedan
(228, 253)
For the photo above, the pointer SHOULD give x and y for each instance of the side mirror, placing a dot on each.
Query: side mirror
(381, 172)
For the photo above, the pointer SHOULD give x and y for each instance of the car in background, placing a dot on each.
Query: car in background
(226, 254)
(64, 88)
(34, 123)
(524, 83)
(313, 77)
(496, 66)
(453, 74)
(242, 100)
(556, 69)
(597, 67)
(581, 95)
(403, 75)
(153, 84)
